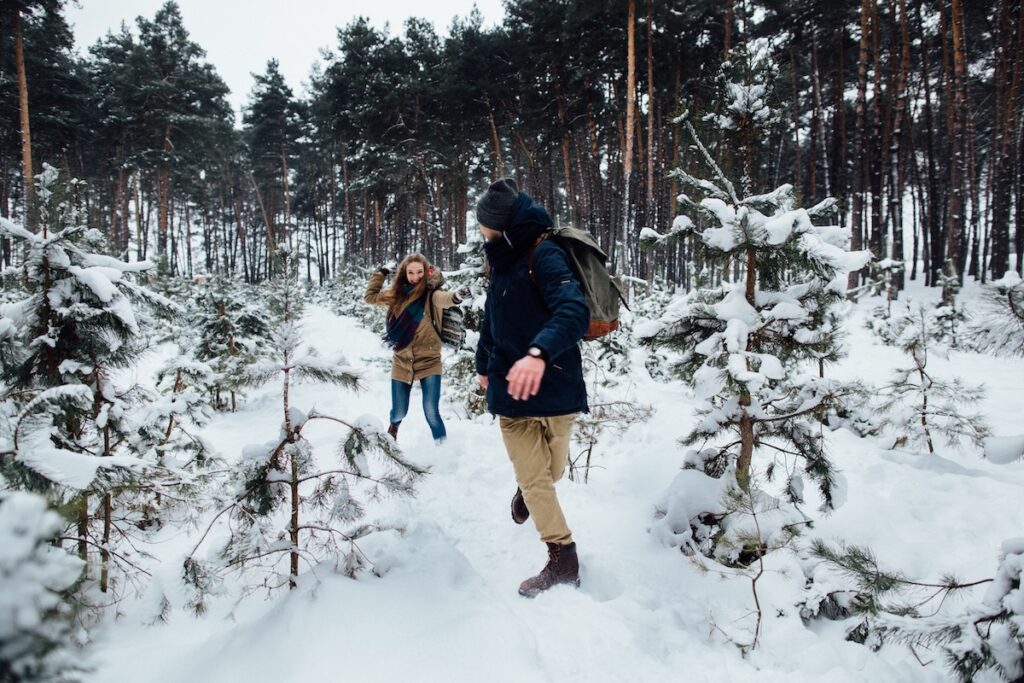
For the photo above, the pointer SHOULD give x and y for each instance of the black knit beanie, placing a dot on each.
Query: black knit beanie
(495, 206)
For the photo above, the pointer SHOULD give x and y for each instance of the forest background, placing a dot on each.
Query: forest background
(909, 113)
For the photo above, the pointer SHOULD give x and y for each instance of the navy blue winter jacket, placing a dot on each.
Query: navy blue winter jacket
(517, 316)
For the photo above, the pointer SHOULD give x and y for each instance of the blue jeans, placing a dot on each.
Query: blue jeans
(431, 387)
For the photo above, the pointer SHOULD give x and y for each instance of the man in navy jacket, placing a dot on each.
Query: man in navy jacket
(529, 362)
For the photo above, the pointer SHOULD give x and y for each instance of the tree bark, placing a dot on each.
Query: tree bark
(1003, 161)
(651, 109)
(896, 167)
(164, 196)
(955, 213)
(499, 162)
(26, 134)
(629, 129)
(860, 163)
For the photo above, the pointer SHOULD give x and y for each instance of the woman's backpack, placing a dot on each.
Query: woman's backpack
(453, 326)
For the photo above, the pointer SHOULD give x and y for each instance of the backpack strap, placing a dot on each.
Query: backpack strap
(430, 312)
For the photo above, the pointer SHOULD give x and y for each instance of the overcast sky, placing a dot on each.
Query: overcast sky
(239, 36)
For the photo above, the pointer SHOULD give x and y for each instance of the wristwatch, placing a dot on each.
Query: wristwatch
(537, 352)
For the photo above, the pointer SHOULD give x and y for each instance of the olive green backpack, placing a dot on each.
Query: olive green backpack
(588, 263)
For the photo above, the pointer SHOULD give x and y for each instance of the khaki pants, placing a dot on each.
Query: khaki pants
(539, 450)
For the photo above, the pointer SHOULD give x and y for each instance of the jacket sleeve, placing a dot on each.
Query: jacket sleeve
(444, 299)
(373, 294)
(570, 315)
(485, 346)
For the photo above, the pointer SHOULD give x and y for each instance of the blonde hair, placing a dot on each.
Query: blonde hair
(397, 294)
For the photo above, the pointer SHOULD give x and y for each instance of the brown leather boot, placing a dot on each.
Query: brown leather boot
(563, 567)
(393, 430)
(520, 513)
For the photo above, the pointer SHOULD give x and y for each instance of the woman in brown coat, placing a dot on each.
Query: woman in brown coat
(415, 305)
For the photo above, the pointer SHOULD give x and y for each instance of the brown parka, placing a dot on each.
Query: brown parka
(422, 357)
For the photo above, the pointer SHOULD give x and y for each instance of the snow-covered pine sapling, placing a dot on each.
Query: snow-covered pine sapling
(36, 624)
(882, 281)
(168, 436)
(283, 505)
(650, 303)
(461, 385)
(604, 415)
(949, 315)
(704, 513)
(75, 327)
(749, 348)
(996, 323)
(233, 332)
(343, 295)
(884, 276)
(171, 424)
(977, 639)
(915, 405)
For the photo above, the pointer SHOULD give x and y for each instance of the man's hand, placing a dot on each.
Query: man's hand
(483, 381)
(524, 378)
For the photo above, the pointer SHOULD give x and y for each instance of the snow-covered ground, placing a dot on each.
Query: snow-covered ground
(446, 607)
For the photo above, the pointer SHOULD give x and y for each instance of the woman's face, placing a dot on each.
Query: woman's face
(414, 272)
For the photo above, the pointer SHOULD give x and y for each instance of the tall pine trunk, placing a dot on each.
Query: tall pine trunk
(860, 162)
(629, 130)
(957, 163)
(26, 134)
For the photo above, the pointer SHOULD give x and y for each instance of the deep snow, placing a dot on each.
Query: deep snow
(446, 608)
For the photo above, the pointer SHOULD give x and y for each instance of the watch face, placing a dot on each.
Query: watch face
(534, 351)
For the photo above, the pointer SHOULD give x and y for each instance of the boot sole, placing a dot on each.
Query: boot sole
(533, 594)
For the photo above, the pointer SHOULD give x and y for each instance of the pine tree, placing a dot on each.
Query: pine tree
(285, 506)
(997, 325)
(462, 386)
(232, 333)
(272, 129)
(746, 344)
(167, 436)
(36, 624)
(978, 638)
(70, 432)
(917, 406)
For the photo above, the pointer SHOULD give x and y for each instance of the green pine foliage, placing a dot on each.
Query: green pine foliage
(981, 640)
(918, 407)
(996, 326)
(37, 625)
(232, 332)
(462, 387)
(284, 509)
(69, 425)
(167, 436)
(753, 349)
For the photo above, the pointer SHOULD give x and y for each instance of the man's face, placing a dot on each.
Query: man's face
(489, 233)
(414, 272)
